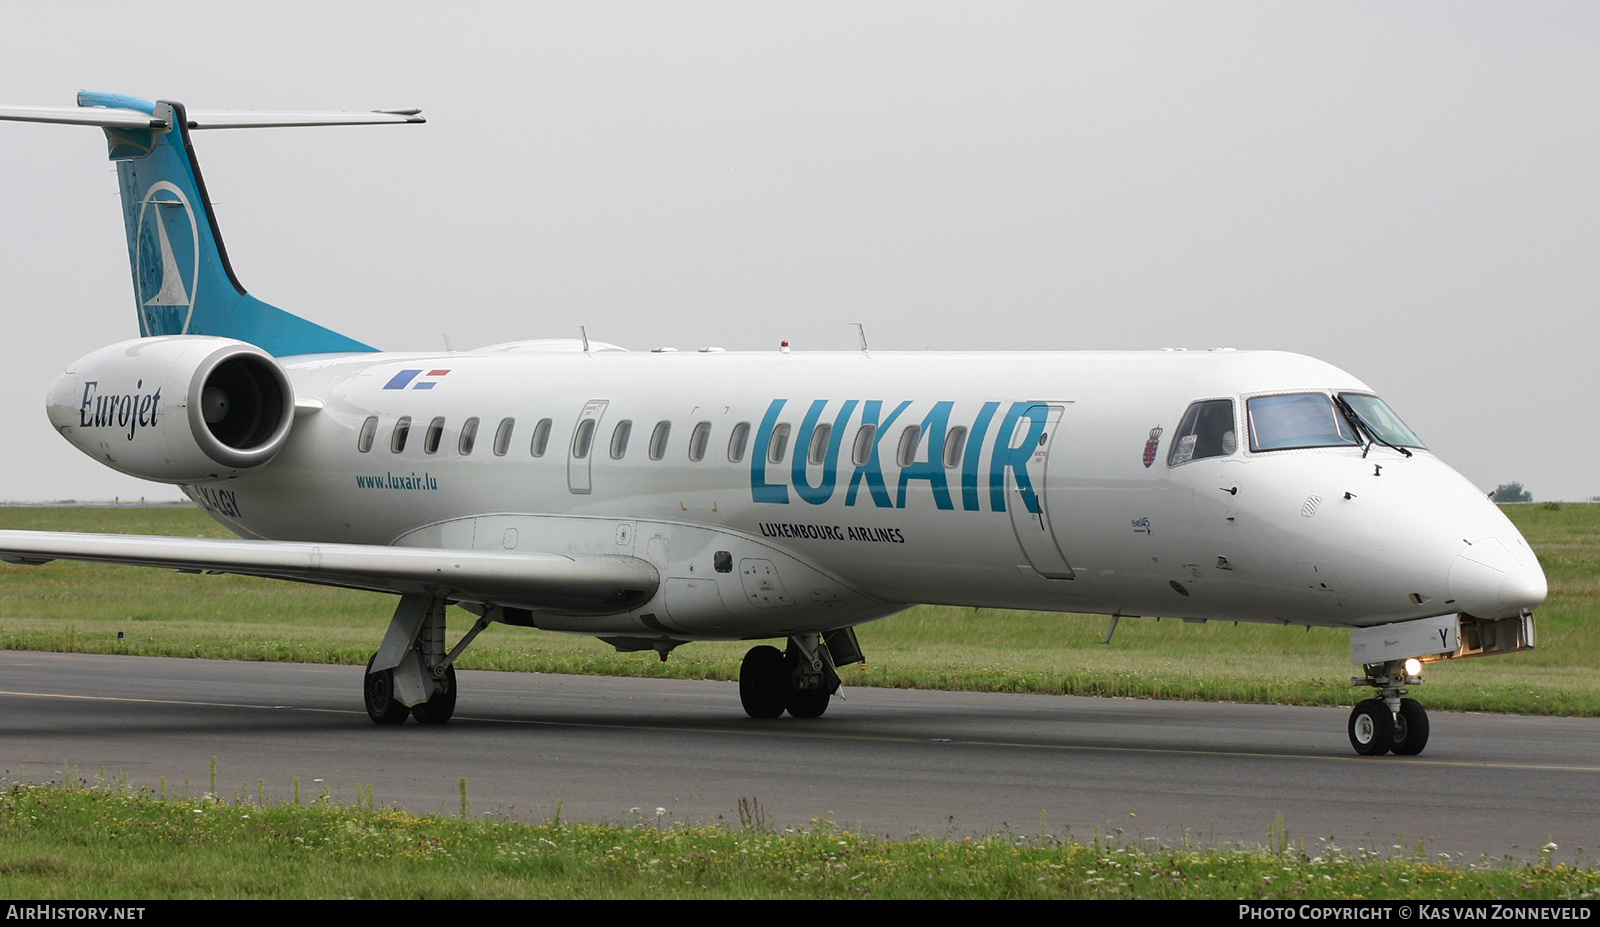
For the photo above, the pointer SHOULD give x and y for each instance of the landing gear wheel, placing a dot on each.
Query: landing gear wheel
(806, 703)
(441, 705)
(764, 686)
(378, 689)
(1410, 729)
(809, 703)
(1371, 728)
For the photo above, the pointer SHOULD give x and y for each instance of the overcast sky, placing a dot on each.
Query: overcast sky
(1406, 190)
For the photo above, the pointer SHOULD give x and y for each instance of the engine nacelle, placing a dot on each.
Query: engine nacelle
(175, 409)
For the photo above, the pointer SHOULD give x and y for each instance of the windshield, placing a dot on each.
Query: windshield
(1376, 415)
(1298, 420)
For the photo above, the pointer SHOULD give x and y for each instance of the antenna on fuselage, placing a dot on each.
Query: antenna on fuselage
(585, 333)
(861, 330)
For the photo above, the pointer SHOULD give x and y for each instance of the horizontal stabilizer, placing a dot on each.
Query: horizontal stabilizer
(133, 118)
(251, 119)
(77, 116)
(555, 583)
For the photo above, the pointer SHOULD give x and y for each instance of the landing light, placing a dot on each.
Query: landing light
(1413, 666)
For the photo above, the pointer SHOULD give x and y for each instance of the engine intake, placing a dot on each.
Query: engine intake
(245, 408)
(175, 409)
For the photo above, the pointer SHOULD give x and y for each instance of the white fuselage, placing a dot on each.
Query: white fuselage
(762, 547)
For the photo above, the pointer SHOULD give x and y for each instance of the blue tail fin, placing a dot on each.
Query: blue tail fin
(182, 282)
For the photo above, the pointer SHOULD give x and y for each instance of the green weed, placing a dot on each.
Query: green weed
(111, 840)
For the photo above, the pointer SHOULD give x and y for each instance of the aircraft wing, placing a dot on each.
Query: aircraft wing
(578, 584)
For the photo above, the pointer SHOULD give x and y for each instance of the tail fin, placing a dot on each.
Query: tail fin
(182, 281)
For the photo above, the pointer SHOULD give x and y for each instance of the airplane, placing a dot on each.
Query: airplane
(654, 498)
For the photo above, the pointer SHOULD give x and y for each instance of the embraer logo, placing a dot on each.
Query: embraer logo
(166, 260)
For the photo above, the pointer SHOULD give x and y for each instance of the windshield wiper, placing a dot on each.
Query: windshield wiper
(1362, 427)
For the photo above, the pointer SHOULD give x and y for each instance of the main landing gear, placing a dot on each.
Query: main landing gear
(384, 707)
(411, 675)
(800, 679)
(1389, 723)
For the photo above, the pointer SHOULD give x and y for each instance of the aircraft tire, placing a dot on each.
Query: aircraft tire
(1410, 729)
(764, 687)
(441, 705)
(378, 690)
(809, 703)
(1371, 728)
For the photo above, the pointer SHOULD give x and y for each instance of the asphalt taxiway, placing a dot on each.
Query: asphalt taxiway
(892, 762)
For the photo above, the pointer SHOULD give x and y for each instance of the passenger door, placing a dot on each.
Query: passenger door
(580, 450)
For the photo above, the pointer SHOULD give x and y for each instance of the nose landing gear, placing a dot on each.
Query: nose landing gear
(1389, 723)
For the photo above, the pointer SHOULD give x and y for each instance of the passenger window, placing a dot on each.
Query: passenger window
(908, 445)
(863, 446)
(369, 429)
(541, 439)
(779, 444)
(582, 439)
(819, 444)
(698, 439)
(955, 441)
(469, 436)
(502, 436)
(1205, 431)
(397, 441)
(658, 440)
(430, 441)
(737, 441)
(619, 439)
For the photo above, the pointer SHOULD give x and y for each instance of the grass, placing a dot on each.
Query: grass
(104, 609)
(71, 839)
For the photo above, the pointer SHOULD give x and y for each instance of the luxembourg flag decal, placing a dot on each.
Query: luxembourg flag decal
(415, 379)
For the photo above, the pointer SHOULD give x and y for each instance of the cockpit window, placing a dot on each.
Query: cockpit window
(1386, 426)
(1206, 431)
(1298, 420)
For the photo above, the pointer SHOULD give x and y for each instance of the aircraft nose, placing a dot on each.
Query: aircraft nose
(1496, 578)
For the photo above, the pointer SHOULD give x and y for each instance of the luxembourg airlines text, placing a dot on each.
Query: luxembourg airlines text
(772, 529)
